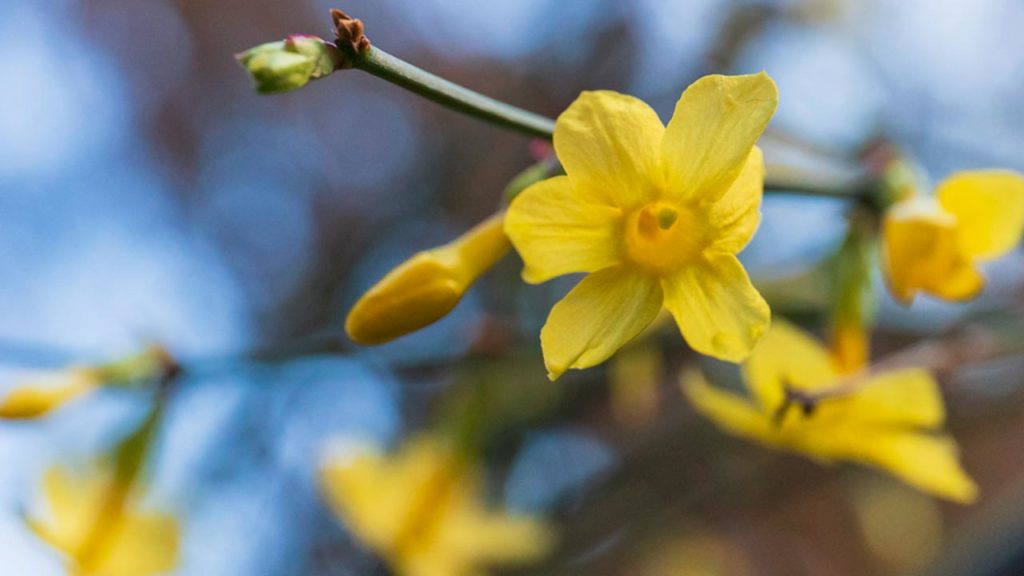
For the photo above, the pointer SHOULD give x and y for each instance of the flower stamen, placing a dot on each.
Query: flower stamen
(661, 237)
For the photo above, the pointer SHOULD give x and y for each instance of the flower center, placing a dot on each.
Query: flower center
(663, 237)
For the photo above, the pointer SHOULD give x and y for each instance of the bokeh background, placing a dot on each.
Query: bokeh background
(147, 194)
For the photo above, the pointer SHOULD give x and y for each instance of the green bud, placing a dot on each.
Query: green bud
(288, 64)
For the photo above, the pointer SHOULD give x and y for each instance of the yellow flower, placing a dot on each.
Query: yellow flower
(89, 523)
(47, 393)
(655, 215)
(422, 511)
(892, 421)
(52, 390)
(933, 244)
(426, 287)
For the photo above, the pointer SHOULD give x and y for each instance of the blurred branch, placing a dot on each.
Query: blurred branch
(861, 186)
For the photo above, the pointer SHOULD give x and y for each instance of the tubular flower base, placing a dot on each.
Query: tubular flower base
(655, 215)
(87, 521)
(891, 422)
(422, 511)
(851, 346)
(932, 245)
(426, 287)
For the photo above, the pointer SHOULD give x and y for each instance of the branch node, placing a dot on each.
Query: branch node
(350, 34)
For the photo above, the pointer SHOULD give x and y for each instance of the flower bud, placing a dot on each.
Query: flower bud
(288, 64)
(424, 288)
(48, 393)
(921, 253)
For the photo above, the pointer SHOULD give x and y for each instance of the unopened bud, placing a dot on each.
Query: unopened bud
(42, 396)
(50, 391)
(289, 64)
(426, 287)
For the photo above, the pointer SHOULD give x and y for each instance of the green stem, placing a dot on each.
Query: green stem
(451, 95)
(858, 185)
(797, 187)
(461, 99)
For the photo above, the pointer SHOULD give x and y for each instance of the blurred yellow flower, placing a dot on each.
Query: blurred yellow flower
(426, 287)
(655, 215)
(51, 390)
(88, 521)
(932, 245)
(48, 392)
(422, 510)
(892, 421)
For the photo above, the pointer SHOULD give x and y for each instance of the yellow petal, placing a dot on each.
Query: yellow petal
(907, 397)
(73, 505)
(40, 398)
(143, 545)
(422, 510)
(730, 412)
(921, 252)
(989, 210)
(737, 214)
(426, 287)
(961, 283)
(491, 538)
(384, 500)
(927, 462)
(718, 310)
(608, 144)
(787, 356)
(601, 314)
(716, 123)
(556, 233)
(370, 497)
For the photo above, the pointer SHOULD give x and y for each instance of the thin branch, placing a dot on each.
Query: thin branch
(358, 53)
(451, 95)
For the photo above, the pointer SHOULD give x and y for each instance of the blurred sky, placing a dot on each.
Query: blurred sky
(147, 194)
